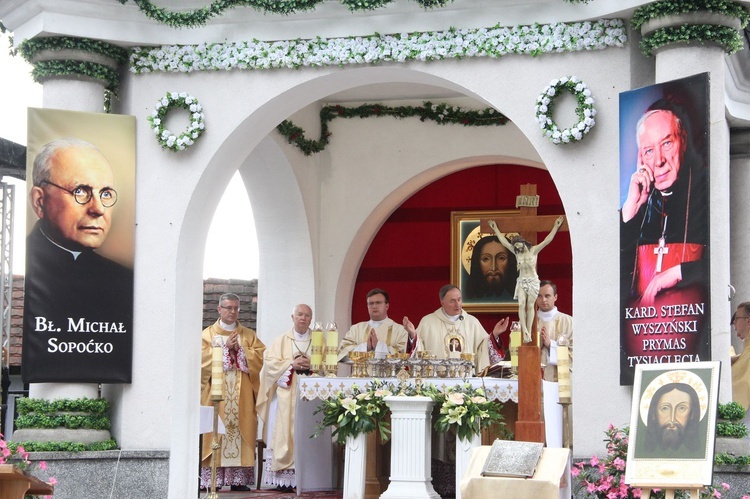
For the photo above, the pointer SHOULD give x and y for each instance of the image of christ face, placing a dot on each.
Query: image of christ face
(673, 413)
(673, 419)
(493, 261)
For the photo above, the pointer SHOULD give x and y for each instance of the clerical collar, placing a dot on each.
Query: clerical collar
(547, 316)
(301, 337)
(74, 253)
(227, 327)
(375, 324)
(453, 318)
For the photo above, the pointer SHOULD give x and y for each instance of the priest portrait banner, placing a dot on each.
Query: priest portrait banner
(78, 291)
(664, 232)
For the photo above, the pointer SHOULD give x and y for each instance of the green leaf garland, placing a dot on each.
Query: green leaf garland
(442, 114)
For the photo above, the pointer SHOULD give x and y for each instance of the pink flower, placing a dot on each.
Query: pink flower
(594, 461)
(716, 494)
(725, 486)
(619, 464)
(580, 464)
(52, 481)
(591, 488)
(636, 492)
(43, 465)
(575, 471)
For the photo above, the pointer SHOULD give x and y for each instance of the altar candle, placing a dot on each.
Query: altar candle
(217, 373)
(316, 348)
(515, 342)
(563, 374)
(332, 346)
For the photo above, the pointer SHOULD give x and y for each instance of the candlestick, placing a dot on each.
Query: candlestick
(217, 369)
(316, 348)
(515, 342)
(563, 373)
(332, 347)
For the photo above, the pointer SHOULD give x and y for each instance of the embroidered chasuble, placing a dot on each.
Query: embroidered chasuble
(280, 382)
(241, 386)
(442, 337)
(390, 333)
(741, 377)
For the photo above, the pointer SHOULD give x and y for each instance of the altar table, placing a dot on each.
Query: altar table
(318, 473)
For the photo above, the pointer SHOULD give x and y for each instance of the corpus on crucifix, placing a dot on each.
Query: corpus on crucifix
(527, 285)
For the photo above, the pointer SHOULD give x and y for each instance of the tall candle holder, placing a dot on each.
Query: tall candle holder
(330, 362)
(216, 395)
(515, 342)
(316, 348)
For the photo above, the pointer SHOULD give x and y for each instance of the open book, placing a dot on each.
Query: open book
(514, 459)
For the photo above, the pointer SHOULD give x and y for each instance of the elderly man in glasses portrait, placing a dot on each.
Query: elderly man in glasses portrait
(70, 288)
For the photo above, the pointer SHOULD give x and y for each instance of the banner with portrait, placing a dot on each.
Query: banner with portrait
(80, 243)
(664, 225)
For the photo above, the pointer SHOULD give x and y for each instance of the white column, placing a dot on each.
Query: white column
(411, 449)
(739, 222)
(354, 466)
(463, 453)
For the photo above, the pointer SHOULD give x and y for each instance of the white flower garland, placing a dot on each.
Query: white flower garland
(585, 110)
(166, 138)
(495, 41)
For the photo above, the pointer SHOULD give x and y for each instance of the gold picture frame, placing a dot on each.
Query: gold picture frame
(483, 293)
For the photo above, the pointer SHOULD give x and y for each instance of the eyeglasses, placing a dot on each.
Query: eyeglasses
(231, 309)
(735, 317)
(83, 194)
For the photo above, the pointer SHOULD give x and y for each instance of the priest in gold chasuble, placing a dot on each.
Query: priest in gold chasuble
(243, 361)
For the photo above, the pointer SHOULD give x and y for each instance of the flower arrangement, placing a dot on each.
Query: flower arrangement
(361, 411)
(177, 100)
(584, 110)
(605, 478)
(465, 409)
(18, 456)
(495, 41)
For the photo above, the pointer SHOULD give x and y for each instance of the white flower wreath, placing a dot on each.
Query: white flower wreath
(175, 100)
(585, 110)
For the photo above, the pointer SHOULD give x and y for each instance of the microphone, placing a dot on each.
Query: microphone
(461, 317)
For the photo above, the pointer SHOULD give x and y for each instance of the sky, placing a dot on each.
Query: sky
(221, 261)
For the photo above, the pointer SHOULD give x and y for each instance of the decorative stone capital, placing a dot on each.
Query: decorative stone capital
(693, 18)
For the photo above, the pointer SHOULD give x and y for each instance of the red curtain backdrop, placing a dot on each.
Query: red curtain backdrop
(410, 255)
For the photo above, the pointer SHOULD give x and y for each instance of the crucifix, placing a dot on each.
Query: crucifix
(662, 249)
(527, 223)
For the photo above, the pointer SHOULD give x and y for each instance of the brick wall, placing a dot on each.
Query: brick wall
(212, 290)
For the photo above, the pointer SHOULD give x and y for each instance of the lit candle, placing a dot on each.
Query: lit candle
(316, 348)
(563, 373)
(332, 346)
(217, 369)
(515, 342)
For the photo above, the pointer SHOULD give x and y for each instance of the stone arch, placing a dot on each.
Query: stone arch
(271, 182)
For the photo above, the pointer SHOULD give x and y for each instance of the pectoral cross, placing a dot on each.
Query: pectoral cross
(660, 251)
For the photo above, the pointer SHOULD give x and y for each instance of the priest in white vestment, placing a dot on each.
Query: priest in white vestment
(380, 334)
(449, 331)
(552, 326)
(285, 361)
